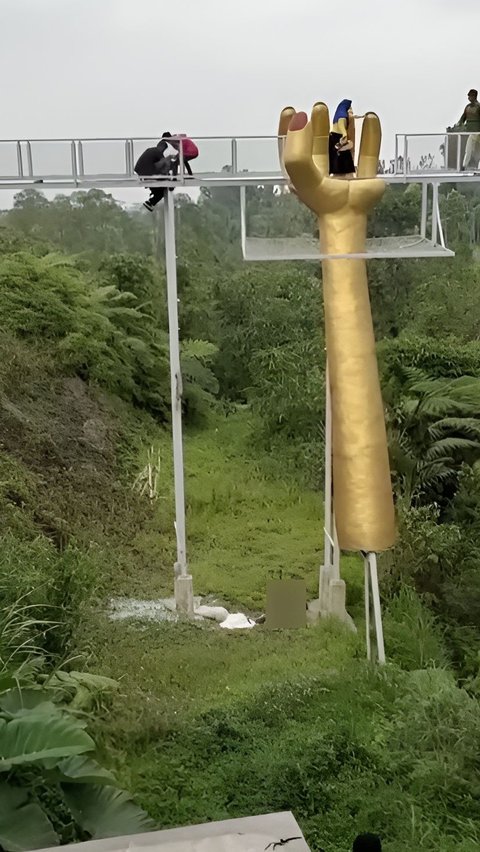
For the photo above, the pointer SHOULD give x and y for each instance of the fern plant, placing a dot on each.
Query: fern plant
(433, 429)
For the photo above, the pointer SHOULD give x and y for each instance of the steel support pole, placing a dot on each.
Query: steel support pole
(243, 220)
(366, 567)
(435, 210)
(326, 570)
(423, 227)
(328, 473)
(377, 610)
(183, 582)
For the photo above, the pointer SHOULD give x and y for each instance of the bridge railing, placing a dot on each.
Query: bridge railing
(80, 161)
(83, 159)
(423, 153)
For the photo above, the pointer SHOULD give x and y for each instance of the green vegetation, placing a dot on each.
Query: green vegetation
(195, 722)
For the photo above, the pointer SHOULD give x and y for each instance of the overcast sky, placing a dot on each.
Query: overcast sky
(212, 67)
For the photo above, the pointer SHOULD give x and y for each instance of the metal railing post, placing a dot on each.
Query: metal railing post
(19, 160)
(132, 157)
(182, 163)
(81, 165)
(73, 153)
(234, 157)
(129, 156)
(29, 160)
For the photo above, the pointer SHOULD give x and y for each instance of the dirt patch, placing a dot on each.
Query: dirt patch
(66, 438)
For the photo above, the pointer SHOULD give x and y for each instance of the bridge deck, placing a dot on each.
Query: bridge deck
(307, 248)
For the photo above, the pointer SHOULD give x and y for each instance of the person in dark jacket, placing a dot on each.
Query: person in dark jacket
(367, 843)
(154, 162)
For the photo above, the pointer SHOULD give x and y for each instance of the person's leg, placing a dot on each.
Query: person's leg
(468, 151)
(476, 151)
(188, 167)
(156, 195)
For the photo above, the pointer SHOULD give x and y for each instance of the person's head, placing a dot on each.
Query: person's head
(342, 110)
(172, 140)
(367, 843)
(472, 95)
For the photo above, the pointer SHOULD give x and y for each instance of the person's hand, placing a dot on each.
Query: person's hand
(303, 147)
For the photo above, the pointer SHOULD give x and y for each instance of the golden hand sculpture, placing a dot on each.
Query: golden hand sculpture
(363, 499)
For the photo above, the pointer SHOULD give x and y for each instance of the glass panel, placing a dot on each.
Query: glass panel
(273, 213)
(258, 155)
(50, 159)
(425, 153)
(8, 160)
(104, 157)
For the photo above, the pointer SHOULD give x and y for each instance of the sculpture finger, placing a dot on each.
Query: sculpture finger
(286, 116)
(369, 146)
(298, 155)
(320, 122)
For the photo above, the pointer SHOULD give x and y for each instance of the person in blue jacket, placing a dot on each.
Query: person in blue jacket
(340, 147)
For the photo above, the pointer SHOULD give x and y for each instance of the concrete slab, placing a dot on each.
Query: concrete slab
(265, 833)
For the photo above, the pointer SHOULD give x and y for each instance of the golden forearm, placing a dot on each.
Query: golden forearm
(362, 486)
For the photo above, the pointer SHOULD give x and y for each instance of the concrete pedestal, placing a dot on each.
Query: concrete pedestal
(184, 594)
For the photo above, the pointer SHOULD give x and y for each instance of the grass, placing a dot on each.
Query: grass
(188, 669)
(209, 724)
(244, 526)
(245, 523)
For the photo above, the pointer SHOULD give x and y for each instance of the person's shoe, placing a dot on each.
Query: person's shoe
(148, 205)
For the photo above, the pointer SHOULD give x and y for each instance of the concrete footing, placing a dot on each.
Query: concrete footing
(331, 603)
(184, 594)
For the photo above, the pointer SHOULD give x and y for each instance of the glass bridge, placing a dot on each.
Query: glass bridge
(223, 161)
(244, 161)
